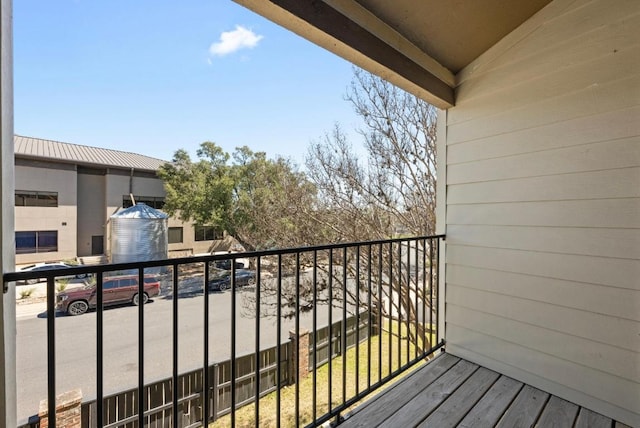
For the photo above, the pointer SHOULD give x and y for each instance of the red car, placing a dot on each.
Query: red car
(117, 290)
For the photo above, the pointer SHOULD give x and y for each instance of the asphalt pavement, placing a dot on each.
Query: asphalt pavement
(75, 345)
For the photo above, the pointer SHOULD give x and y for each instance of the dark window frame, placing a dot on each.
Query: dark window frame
(43, 241)
(207, 233)
(156, 202)
(36, 198)
(175, 229)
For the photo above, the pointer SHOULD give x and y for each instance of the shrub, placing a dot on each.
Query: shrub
(26, 293)
(62, 284)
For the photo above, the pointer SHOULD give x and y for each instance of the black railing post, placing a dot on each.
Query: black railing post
(315, 333)
(205, 380)
(233, 344)
(257, 356)
(400, 306)
(424, 296)
(51, 351)
(279, 339)
(330, 335)
(343, 334)
(297, 362)
(99, 350)
(369, 320)
(390, 309)
(409, 304)
(357, 320)
(437, 285)
(174, 382)
(141, 397)
(380, 309)
(417, 301)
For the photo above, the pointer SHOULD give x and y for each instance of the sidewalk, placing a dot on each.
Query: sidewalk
(30, 309)
(36, 303)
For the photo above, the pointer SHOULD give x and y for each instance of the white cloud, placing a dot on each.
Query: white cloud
(232, 41)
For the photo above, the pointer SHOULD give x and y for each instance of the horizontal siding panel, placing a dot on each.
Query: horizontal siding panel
(612, 331)
(614, 154)
(591, 100)
(593, 270)
(560, 29)
(606, 126)
(599, 299)
(580, 185)
(617, 243)
(548, 373)
(608, 213)
(589, 62)
(613, 360)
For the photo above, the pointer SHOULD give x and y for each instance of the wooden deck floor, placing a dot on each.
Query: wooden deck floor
(451, 392)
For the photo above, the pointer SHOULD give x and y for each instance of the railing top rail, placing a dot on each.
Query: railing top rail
(79, 270)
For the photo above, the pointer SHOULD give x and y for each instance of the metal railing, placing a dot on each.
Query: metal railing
(389, 285)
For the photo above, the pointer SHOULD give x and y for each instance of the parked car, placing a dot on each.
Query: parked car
(222, 280)
(116, 289)
(47, 266)
(226, 264)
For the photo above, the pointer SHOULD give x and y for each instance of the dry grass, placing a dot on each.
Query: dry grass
(245, 416)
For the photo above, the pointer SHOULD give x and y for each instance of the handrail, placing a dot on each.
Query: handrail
(394, 280)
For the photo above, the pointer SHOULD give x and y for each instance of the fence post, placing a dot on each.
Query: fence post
(68, 410)
(299, 361)
(214, 404)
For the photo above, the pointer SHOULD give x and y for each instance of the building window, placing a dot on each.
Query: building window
(175, 235)
(207, 233)
(27, 198)
(45, 241)
(156, 202)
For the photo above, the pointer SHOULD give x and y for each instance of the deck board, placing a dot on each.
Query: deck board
(449, 414)
(558, 413)
(525, 409)
(453, 392)
(488, 411)
(430, 398)
(589, 419)
(381, 406)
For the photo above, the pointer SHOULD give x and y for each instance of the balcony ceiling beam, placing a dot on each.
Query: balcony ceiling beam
(361, 38)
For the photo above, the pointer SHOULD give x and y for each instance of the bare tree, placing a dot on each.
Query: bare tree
(385, 190)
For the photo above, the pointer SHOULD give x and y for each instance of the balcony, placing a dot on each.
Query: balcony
(312, 332)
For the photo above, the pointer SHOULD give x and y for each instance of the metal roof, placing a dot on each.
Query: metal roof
(36, 148)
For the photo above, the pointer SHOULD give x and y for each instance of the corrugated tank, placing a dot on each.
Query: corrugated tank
(139, 233)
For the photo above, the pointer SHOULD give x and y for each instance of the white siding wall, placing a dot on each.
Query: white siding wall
(543, 206)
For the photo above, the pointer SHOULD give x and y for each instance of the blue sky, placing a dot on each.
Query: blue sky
(155, 76)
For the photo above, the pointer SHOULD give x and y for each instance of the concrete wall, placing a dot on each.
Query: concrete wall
(91, 209)
(189, 245)
(86, 200)
(543, 206)
(61, 218)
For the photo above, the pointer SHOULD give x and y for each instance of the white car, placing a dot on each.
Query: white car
(48, 266)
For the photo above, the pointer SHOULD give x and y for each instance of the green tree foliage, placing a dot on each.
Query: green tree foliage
(255, 199)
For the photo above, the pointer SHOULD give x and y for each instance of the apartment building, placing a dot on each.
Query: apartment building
(65, 194)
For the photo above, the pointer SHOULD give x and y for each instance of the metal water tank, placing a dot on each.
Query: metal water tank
(139, 233)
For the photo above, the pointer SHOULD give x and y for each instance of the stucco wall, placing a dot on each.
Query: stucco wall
(91, 209)
(543, 206)
(61, 218)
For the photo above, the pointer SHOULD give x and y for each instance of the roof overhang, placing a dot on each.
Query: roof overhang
(419, 46)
